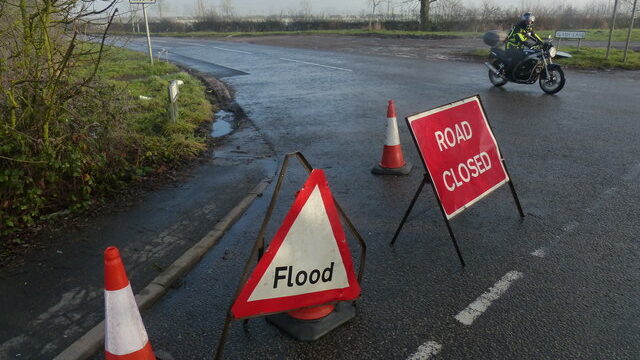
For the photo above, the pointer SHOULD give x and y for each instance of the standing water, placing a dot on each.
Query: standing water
(222, 123)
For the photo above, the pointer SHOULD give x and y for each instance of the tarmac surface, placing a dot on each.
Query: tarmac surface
(563, 282)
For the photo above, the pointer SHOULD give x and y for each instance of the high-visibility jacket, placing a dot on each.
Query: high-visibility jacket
(519, 35)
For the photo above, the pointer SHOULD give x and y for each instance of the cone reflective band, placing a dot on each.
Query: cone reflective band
(392, 153)
(460, 153)
(392, 162)
(125, 335)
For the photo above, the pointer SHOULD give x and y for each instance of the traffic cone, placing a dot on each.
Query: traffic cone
(125, 336)
(392, 160)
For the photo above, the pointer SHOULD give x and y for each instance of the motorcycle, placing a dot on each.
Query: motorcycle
(535, 65)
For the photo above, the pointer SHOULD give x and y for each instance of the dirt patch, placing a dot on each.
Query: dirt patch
(407, 47)
(425, 48)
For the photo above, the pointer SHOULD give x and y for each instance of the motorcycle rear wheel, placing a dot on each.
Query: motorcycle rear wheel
(495, 79)
(553, 81)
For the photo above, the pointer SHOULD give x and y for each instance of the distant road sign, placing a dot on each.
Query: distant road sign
(570, 34)
(142, 1)
(459, 152)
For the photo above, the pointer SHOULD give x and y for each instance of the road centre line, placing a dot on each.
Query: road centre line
(482, 303)
(426, 351)
(225, 49)
(310, 63)
(192, 44)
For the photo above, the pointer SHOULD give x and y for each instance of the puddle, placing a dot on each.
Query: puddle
(222, 123)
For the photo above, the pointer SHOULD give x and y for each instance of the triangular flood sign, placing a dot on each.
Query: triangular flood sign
(308, 261)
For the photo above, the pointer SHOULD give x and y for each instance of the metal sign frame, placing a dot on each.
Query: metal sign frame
(429, 179)
(582, 35)
(259, 245)
(563, 33)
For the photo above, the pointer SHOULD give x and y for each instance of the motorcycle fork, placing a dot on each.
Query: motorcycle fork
(546, 67)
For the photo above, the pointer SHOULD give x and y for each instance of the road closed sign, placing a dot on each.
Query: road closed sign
(460, 153)
(308, 261)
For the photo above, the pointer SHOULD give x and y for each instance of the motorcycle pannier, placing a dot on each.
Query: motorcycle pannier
(494, 37)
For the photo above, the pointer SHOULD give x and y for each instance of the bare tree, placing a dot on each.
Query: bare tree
(227, 8)
(425, 6)
(40, 52)
(203, 11)
(162, 6)
(305, 9)
(374, 5)
(487, 13)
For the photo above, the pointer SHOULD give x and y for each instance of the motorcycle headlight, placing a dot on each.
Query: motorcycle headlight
(553, 51)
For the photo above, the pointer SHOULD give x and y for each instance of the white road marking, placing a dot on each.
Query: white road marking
(542, 252)
(310, 63)
(192, 44)
(426, 351)
(482, 303)
(162, 41)
(225, 49)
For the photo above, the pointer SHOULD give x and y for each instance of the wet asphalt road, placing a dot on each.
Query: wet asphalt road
(574, 159)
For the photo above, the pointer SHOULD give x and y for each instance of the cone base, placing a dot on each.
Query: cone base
(404, 170)
(311, 330)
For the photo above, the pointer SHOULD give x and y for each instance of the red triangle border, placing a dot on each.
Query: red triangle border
(242, 308)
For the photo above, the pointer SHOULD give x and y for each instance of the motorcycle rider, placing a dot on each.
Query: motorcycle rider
(520, 37)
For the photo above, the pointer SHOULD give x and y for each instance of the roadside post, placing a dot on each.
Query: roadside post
(461, 157)
(146, 22)
(633, 18)
(174, 91)
(570, 35)
(613, 27)
(305, 281)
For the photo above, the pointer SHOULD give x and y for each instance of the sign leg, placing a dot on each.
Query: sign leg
(223, 337)
(455, 242)
(515, 198)
(513, 191)
(406, 214)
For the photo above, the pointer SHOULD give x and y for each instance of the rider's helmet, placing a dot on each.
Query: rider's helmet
(528, 18)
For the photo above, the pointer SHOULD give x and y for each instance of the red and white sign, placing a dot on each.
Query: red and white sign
(460, 153)
(308, 261)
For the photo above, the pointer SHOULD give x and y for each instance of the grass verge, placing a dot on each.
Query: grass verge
(586, 58)
(115, 132)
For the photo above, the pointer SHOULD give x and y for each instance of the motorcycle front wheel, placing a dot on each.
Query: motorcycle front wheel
(553, 81)
(495, 79)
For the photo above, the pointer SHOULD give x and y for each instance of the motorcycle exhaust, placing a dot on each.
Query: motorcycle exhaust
(493, 69)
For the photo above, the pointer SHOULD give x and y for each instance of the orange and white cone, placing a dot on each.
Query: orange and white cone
(392, 159)
(125, 335)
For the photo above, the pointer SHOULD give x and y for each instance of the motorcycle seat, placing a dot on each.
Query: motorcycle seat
(501, 54)
(498, 51)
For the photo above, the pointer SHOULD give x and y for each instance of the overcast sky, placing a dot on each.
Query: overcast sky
(341, 7)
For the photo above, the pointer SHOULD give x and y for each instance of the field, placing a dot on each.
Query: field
(592, 34)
